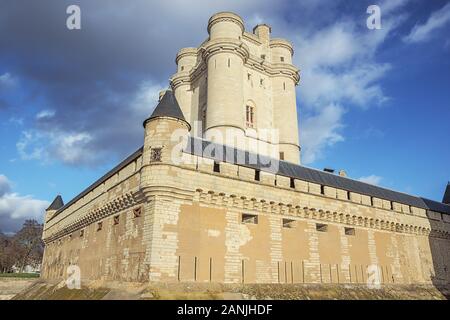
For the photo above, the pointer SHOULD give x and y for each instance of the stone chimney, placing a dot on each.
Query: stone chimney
(342, 173)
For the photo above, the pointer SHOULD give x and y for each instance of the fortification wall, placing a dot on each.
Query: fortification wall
(206, 226)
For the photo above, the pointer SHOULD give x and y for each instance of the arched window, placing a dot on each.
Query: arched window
(250, 116)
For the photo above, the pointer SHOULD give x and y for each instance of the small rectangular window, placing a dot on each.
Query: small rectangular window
(99, 226)
(116, 220)
(288, 223)
(81, 233)
(292, 183)
(348, 195)
(249, 76)
(321, 227)
(281, 155)
(263, 56)
(216, 167)
(282, 59)
(322, 189)
(249, 218)
(349, 231)
(137, 212)
(257, 175)
(155, 155)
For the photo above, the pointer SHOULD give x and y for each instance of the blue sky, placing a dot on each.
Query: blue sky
(372, 102)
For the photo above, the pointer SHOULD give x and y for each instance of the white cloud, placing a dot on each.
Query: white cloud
(45, 146)
(14, 208)
(321, 131)
(372, 179)
(5, 185)
(45, 114)
(423, 32)
(6, 79)
(339, 71)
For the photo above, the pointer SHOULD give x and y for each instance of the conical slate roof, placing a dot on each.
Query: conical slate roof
(167, 107)
(56, 204)
(446, 198)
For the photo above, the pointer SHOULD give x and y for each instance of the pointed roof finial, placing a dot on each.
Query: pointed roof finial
(56, 204)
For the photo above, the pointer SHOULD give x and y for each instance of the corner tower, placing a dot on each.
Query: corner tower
(241, 85)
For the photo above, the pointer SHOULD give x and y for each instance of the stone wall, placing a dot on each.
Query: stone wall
(191, 229)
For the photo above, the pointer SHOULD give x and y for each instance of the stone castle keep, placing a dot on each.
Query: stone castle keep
(208, 218)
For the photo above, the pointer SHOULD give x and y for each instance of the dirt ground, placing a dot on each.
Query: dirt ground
(9, 287)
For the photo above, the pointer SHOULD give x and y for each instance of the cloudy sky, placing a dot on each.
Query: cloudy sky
(373, 102)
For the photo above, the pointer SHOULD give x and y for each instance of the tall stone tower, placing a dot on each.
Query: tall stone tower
(240, 86)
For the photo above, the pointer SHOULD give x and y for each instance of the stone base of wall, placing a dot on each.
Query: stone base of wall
(96, 290)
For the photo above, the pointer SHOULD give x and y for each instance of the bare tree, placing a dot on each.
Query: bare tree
(29, 245)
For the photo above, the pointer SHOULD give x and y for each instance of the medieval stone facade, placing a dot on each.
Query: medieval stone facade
(168, 214)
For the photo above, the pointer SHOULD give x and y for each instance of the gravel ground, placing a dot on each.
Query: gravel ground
(9, 287)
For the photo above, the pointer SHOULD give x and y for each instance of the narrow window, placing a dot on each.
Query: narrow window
(263, 56)
(81, 233)
(204, 116)
(288, 223)
(281, 155)
(322, 189)
(116, 220)
(261, 82)
(371, 201)
(249, 218)
(390, 205)
(257, 175)
(282, 59)
(249, 76)
(321, 227)
(349, 231)
(215, 64)
(292, 184)
(137, 212)
(99, 226)
(155, 155)
(229, 63)
(348, 195)
(250, 116)
(182, 68)
(284, 86)
(216, 167)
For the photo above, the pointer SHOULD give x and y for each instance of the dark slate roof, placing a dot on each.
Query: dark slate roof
(108, 175)
(221, 153)
(56, 204)
(446, 198)
(167, 107)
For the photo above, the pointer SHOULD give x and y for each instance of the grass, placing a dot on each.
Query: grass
(19, 275)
